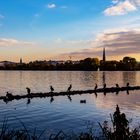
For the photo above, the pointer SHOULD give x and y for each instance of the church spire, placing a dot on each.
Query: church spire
(104, 56)
(20, 61)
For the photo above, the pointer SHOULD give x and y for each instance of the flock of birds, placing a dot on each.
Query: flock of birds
(9, 95)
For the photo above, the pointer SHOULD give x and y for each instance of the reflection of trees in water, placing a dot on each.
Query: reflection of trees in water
(129, 77)
(89, 78)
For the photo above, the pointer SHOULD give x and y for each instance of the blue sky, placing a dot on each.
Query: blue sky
(55, 29)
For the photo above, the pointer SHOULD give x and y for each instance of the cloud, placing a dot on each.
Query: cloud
(118, 42)
(1, 16)
(136, 2)
(120, 8)
(115, 1)
(4, 42)
(121, 41)
(51, 6)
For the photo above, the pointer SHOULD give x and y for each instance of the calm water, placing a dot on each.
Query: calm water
(63, 114)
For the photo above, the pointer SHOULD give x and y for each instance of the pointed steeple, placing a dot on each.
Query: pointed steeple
(20, 61)
(104, 56)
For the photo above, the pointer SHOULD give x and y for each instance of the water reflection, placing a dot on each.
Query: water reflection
(28, 101)
(129, 77)
(58, 111)
(104, 78)
(89, 78)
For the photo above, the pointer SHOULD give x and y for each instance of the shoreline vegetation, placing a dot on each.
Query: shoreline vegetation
(87, 64)
(118, 130)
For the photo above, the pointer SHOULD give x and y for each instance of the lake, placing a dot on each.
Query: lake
(62, 114)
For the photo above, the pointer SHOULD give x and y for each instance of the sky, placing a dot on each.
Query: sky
(64, 29)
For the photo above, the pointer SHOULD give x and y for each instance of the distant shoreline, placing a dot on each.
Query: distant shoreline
(78, 70)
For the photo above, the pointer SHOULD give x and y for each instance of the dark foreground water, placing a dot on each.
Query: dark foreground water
(62, 114)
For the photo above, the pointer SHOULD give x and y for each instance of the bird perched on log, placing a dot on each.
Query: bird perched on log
(51, 88)
(96, 86)
(127, 84)
(9, 95)
(117, 85)
(69, 88)
(28, 90)
(104, 85)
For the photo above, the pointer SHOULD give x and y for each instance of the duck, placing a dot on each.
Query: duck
(82, 101)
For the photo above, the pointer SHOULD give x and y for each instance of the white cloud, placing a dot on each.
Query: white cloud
(121, 8)
(7, 42)
(115, 1)
(51, 6)
(118, 42)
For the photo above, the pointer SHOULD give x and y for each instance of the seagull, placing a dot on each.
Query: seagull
(28, 90)
(96, 86)
(51, 88)
(69, 88)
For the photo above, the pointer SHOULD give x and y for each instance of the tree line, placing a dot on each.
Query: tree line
(94, 64)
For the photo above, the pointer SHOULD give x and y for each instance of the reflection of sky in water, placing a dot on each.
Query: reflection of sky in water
(63, 114)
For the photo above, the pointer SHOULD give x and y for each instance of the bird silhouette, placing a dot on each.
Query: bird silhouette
(127, 84)
(104, 85)
(96, 86)
(69, 88)
(117, 85)
(9, 95)
(83, 101)
(28, 90)
(52, 89)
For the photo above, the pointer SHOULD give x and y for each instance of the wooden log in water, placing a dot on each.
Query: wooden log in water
(65, 93)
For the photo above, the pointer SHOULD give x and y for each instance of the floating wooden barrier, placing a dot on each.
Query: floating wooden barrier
(80, 92)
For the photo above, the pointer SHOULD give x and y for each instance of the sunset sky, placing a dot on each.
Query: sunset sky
(57, 29)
